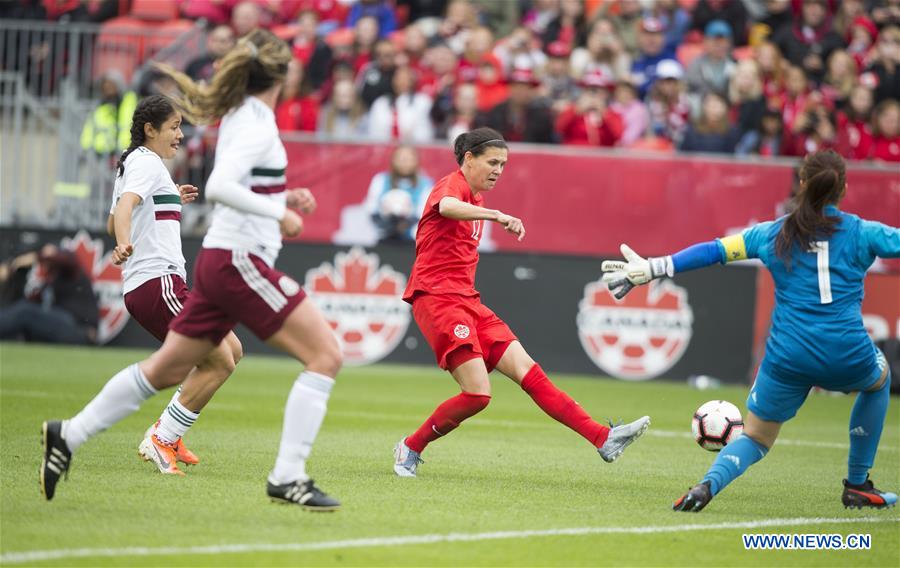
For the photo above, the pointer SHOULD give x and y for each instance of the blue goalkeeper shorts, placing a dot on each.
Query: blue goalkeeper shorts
(776, 396)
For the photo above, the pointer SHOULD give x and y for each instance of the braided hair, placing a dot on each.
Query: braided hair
(153, 110)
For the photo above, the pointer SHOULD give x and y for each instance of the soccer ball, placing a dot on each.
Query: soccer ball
(396, 203)
(716, 424)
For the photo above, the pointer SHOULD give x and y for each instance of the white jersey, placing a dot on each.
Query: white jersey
(155, 221)
(249, 143)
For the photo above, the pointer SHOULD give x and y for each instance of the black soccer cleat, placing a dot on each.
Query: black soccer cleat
(694, 500)
(57, 457)
(303, 493)
(866, 496)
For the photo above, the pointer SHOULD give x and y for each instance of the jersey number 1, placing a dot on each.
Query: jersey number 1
(821, 250)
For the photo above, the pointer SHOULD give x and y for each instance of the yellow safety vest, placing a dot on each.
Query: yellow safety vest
(108, 128)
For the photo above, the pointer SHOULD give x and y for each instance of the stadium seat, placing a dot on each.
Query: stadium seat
(285, 32)
(688, 52)
(165, 35)
(155, 10)
(120, 46)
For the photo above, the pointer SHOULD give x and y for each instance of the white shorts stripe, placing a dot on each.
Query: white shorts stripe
(175, 301)
(264, 286)
(164, 283)
(264, 289)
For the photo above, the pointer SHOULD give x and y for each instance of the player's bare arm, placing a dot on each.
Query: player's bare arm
(122, 226)
(453, 208)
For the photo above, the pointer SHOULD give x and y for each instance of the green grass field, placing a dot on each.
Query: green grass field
(511, 487)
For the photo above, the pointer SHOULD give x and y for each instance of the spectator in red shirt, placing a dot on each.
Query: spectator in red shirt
(861, 41)
(886, 128)
(796, 94)
(311, 50)
(298, 105)
(813, 129)
(492, 89)
(479, 44)
(589, 121)
(412, 52)
(853, 127)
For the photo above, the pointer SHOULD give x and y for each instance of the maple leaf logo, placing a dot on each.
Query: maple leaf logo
(106, 278)
(362, 301)
(639, 337)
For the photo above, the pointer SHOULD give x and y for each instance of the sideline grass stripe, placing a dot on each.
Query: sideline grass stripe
(44, 555)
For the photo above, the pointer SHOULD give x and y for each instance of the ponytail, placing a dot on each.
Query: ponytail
(255, 64)
(153, 110)
(822, 182)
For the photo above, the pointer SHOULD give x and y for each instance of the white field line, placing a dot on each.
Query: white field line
(120, 553)
(521, 424)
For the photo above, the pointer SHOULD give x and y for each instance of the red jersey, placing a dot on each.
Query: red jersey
(446, 249)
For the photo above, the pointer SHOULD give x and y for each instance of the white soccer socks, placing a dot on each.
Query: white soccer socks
(121, 397)
(303, 416)
(175, 421)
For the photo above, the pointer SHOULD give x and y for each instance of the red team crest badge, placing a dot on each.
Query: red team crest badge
(362, 302)
(107, 282)
(639, 337)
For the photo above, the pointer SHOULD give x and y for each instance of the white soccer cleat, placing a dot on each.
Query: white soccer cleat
(621, 436)
(406, 461)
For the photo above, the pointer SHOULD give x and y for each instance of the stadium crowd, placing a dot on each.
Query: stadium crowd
(744, 77)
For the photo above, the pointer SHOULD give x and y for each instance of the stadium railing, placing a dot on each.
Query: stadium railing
(48, 87)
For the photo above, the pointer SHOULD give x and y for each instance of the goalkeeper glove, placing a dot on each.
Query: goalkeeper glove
(634, 271)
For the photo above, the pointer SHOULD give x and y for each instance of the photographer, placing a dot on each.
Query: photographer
(57, 303)
(396, 197)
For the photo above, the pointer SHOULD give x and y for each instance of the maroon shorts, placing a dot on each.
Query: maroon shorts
(232, 287)
(155, 303)
(459, 328)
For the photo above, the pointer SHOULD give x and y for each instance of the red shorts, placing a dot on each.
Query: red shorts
(459, 328)
(155, 303)
(232, 287)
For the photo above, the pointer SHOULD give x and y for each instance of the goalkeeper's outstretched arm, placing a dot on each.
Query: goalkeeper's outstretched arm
(622, 276)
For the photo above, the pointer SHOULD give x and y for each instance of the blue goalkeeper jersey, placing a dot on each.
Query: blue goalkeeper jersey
(817, 326)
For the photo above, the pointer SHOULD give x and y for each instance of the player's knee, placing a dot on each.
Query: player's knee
(237, 351)
(162, 376)
(883, 383)
(328, 360)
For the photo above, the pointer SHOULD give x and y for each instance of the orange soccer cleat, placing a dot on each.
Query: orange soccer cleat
(161, 454)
